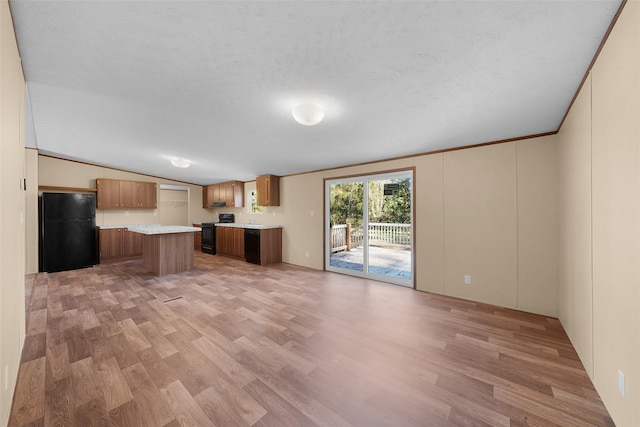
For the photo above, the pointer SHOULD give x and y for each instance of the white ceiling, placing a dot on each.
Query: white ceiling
(132, 84)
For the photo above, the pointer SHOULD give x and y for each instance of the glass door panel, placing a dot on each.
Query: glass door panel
(379, 244)
(390, 228)
(346, 210)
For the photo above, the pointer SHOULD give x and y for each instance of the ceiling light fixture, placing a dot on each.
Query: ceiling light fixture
(180, 163)
(308, 114)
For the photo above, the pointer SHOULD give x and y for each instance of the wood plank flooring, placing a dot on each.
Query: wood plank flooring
(236, 344)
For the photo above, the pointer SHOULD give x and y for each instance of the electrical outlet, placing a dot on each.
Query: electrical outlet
(6, 377)
(621, 383)
(307, 254)
(467, 279)
(311, 213)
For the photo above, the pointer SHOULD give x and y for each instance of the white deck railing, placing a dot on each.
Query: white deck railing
(339, 238)
(380, 234)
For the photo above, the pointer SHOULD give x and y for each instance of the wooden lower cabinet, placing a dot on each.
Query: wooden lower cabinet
(238, 242)
(270, 246)
(110, 242)
(197, 238)
(230, 241)
(131, 243)
(119, 244)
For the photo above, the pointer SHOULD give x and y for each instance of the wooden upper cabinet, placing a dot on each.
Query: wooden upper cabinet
(226, 194)
(123, 194)
(207, 196)
(232, 193)
(215, 194)
(147, 195)
(129, 194)
(268, 189)
(235, 194)
(108, 193)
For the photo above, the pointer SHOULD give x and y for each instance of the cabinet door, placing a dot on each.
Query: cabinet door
(235, 194)
(230, 247)
(262, 188)
(128, 194)
(230, 241)
(131, 243)
(215, 193)
(227, 193)
(225, 240)
(147, 195)
(218, 231)
(207, 196)
(238, 242)
(268, 188)
(197, 239)
(111, 243)
(273, 190)
(108, 193)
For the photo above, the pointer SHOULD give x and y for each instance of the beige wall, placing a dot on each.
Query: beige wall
(173, 207)
(12, 212)
(600, 239)
(537, 186)
(480, 224)
(575, 292)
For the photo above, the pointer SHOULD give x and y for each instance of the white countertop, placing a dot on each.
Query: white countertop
(162, 229)
(252, 226)
(107, 227)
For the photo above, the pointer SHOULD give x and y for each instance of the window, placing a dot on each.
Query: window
(254, 203)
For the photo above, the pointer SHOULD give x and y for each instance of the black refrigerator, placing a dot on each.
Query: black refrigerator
(67, 231)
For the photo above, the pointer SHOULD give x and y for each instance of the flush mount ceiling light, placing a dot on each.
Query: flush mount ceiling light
(180, 163)
(308, 114)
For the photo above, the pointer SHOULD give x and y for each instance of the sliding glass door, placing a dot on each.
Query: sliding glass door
(370, 231)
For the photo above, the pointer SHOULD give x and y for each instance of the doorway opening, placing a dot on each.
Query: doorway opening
(173, 205)
(370, 227)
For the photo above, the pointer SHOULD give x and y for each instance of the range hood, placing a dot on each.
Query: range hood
(218, 204)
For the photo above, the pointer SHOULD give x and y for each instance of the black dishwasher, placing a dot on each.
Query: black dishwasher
(252, 245)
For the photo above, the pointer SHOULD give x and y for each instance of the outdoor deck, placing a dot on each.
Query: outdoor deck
(387, 262)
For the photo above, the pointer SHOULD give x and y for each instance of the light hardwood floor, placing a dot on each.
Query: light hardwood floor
(236, 344)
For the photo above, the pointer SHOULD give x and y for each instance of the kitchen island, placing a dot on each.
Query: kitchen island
(166, 249)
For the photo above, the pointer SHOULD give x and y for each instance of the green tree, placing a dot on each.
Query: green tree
(376, 200)
(346, 203)
(397, 208)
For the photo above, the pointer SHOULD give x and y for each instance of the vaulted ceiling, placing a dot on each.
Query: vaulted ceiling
(133, 84)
